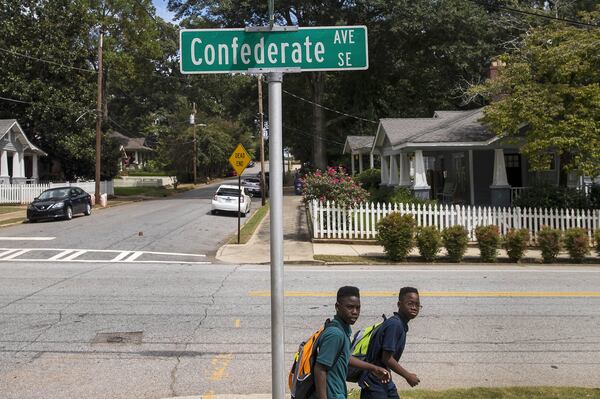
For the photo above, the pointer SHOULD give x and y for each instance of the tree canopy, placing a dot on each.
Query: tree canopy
(423, 53)
(548, 93)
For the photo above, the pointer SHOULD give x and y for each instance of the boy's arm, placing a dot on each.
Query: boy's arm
(388, 359)
(321, 381)
(379, 372)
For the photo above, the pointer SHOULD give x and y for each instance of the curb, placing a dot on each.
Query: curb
(225, 396)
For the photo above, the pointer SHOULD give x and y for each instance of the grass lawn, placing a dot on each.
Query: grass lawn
(11, 221)
(151, 191)
(10, 208)
(251, 225)
(499, 393)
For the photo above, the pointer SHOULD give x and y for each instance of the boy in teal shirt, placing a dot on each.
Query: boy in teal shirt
(331, 366)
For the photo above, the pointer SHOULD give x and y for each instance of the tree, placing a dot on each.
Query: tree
(548, 93)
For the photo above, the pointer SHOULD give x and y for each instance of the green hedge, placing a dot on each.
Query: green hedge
(396, 233)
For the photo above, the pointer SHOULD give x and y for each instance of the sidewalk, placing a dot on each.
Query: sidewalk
(297, 247)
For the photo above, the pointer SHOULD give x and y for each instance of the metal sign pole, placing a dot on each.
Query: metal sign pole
(276, 215)
(239, 203)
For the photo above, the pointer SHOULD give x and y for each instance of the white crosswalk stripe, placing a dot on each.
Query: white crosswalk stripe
(98, 256)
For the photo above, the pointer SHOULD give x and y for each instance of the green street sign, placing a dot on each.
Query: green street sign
(331, 48)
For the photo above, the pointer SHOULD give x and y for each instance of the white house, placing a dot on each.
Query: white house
(359, 146)
(18, 156)
(455, 158)
(134, 152)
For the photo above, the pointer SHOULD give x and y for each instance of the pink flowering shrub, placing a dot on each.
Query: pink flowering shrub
(333, 185)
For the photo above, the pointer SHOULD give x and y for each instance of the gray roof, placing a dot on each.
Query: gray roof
(444, 127)
(357, 143)
(5, 124)
(129, 143)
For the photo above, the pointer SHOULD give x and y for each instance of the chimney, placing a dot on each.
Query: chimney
(495, 69)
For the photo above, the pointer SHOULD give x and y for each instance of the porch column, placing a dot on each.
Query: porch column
(393, 170)
(500, 188)
(471, 179)
(22, 163)
(360, 163)
(34, 168)
(385, 171)
(4, 176)
(136, 158)
(420, 186)
(352, 163)
(16, 169)
(371, 160)
(404, 178)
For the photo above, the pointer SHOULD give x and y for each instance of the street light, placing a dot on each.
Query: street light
(193, 123)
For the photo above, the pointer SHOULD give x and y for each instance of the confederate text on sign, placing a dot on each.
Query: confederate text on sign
(330, 48)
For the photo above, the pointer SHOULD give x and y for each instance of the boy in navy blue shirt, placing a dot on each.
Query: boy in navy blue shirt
(386, 347)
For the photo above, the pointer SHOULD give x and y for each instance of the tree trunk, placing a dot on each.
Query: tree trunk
(317, 80)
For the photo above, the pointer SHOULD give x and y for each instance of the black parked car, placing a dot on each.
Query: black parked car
(60, 202)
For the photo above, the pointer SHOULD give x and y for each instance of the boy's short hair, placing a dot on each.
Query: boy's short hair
(347, 291)
(407, 290)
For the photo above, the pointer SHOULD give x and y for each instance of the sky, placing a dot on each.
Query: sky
(161, 10)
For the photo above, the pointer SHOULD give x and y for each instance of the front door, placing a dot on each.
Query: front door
(513, 169)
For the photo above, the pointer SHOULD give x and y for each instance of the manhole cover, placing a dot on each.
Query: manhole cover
(129, 337)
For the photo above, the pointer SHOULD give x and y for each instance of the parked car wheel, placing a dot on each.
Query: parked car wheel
(69, 213)
(88, 209)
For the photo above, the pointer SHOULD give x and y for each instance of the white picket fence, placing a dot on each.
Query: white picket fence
(360, 222)
(25, 193)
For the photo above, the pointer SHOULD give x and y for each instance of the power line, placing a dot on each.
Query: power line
(16, 101)
(328, 109)
(302, 133)
(489, 4)
(46, 61)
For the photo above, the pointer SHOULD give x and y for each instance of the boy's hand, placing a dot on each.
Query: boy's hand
(412, 379)
(381, 374)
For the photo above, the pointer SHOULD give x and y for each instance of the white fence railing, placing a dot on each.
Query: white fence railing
(142, 181)
(25, 193)
(360, 222)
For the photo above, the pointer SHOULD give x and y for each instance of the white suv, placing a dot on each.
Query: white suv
(226, 199)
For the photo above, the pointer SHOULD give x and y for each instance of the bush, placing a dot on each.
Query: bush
(335, 185)
(455, 240)
(577, 244)
(515, 243)
(396, 233)
(597, 241)
(550, 242)
(488, 241)
(548, 196)
(429, 241)
(369, 179)
(397, 195)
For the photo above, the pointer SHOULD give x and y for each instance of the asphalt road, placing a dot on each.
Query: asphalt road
(178, 225)
(185, 329)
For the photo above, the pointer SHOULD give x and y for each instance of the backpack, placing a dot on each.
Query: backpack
(301, 379)
(359, 348)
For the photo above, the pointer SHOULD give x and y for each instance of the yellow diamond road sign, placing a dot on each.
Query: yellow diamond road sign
(239, 159)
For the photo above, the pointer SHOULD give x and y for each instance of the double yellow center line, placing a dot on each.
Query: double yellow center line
(445, 294)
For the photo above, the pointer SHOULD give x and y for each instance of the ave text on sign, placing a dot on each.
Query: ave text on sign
(329, 48)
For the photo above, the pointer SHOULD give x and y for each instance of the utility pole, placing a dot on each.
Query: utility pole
(193, 122)
(99, 119)
(263, 187)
